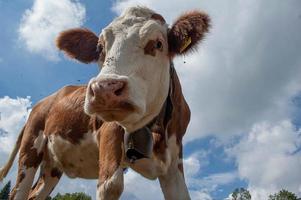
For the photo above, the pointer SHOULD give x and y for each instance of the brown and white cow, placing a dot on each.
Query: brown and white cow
(79, 130)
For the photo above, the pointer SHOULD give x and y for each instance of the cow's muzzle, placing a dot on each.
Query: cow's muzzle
(108, 98)
(107, 90)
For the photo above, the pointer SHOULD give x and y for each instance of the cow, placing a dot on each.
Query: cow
(131, 115)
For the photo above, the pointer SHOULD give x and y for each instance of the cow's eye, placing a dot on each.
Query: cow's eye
(152, 46)
(159, 45)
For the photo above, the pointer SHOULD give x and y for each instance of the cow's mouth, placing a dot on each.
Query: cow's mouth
(113, 112)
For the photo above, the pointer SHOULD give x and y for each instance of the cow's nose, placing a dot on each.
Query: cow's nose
(107, 89)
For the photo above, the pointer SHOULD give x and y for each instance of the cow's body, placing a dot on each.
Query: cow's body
(71, 134)
(80, 130)
(62, 138)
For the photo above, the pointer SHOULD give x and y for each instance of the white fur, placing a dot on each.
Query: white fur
(173, 182)
(153, 167)
(76, 160)
(39, 142)
(147, 76)
(25, 185)
(46, 187)
(116, 180)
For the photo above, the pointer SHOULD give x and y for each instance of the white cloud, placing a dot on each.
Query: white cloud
(197, 195)
(41, 24)
(13, 114)
(269, 159)
(195, 163)
(137, 187)
(211, 182)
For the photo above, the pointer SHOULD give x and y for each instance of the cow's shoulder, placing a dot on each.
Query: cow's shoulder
(67, 99)
(71, 90)
(66, 117)
(46, 105)
(38, 115)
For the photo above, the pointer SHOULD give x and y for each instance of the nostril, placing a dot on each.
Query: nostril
(94, 89)
(91, 91)
(118, 92)
(111, 87)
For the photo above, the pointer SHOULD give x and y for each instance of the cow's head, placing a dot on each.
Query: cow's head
(135, 52)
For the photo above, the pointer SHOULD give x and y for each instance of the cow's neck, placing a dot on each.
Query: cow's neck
(139, 143)
(141, 123)
(151, 116)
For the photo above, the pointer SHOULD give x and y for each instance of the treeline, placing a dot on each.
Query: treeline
(4, 194)
(244, 194)
(237, 194)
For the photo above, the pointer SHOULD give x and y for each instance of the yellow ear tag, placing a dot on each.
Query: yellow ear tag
(187, 42)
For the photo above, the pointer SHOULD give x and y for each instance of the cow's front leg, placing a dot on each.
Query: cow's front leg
(111, 188)
(110, 181)
(173, 182)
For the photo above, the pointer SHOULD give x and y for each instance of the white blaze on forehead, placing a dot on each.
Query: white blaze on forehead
(150, 27)
(132, 27)
(147, 75)
(139, 11)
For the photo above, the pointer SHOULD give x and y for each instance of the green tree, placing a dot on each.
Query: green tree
(4, 193)
(73, 196)
(283, 195)
(241, 194)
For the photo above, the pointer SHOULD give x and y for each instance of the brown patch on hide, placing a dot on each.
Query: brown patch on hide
(180, 165)
(56, 173)
(174, 116)
(67, 117)
(180, 115)
(32, 158)
(181, 169)
(152, 47)
(29, 156)
(190, 26)
(149, 49)
(21, 176)
(110, 150)
(79, 43)
(46, 174)
(159, 130)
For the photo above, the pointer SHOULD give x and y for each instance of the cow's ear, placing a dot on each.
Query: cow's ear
(79, 43)
(188, 30)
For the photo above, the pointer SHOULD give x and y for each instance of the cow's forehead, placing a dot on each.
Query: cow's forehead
(135, 17)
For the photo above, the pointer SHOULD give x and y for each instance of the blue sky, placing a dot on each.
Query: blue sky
(243, 87)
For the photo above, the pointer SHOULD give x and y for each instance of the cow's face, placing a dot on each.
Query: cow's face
(134, 53)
